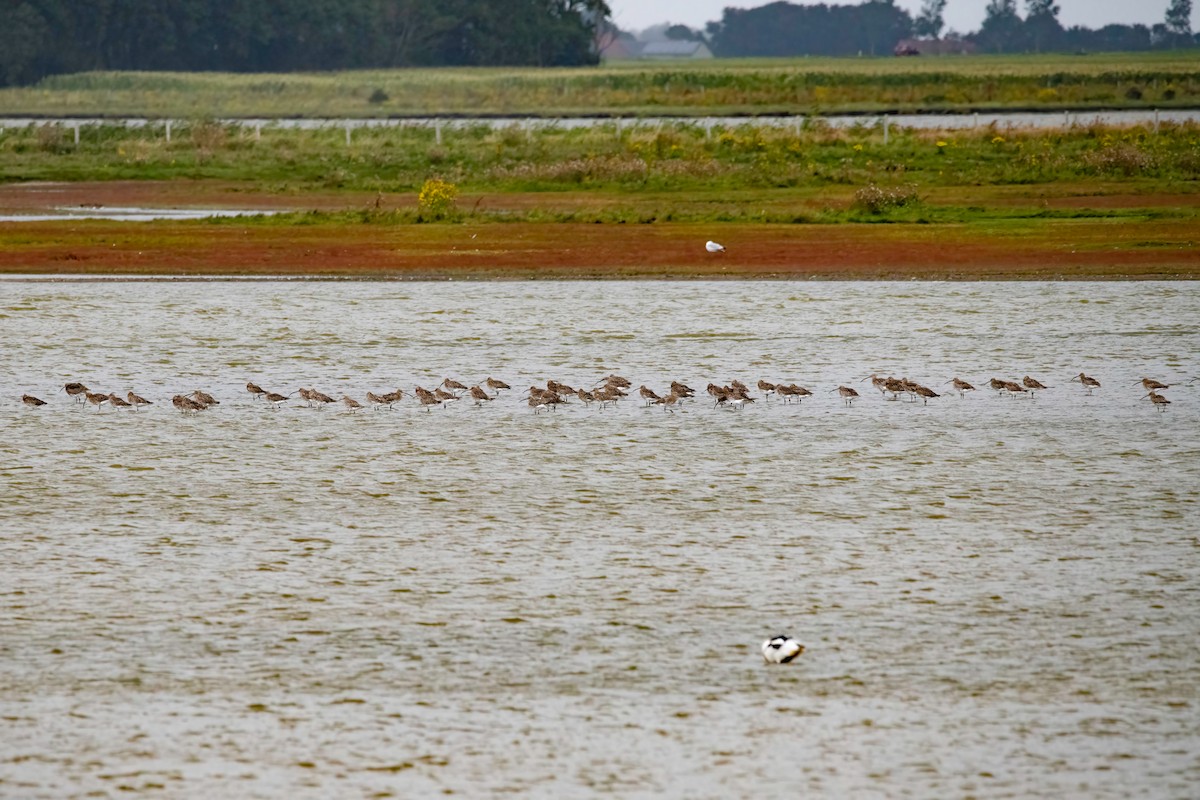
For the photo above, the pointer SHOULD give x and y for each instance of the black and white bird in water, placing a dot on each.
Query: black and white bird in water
(781, 650)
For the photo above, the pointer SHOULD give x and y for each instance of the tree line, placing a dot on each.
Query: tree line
(46, 37)
(874, 27)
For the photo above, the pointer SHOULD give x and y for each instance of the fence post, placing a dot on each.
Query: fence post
(77, 134)
(885, 130)
(1156, 122)
(437, 132)
(347, 134)
(168, 131)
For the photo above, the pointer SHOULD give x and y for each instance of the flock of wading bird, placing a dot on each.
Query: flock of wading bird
(608, 391)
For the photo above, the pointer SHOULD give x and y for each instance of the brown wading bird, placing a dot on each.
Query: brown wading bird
(137, 401)
(454, 385)
(32, 401)
(496, 385)
(961, 386)
(682, 389)
(668, 402)
(586, 397)
(559, 388)
(1014, 388)
(1088, 382)
(792, 390)
(96, 398)
(1149, 384)
(427, 398)
(187, 404)
(255, 390)
(393, 397)
(767, 389)
(118, 402)
(274, 398)
(1159, 401)
(207, 399)
(1033, 385)
(648, 395)
(479, 395)
(618, 381)
(76, 390)
(351, 404)
(925, 393)
(320, 398)
(847, 394)
(377, 402)
(444, 397)
(997, 384)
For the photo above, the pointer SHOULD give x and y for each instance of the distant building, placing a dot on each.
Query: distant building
(676, 50)
(934, 47)
(620, 47)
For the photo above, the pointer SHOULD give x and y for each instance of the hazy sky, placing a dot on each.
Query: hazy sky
(961, 15)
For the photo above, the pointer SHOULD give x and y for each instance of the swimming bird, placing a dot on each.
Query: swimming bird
(32, 401)
(137, 401)
(781, 649)
(961, 386)
(76, 390)
(496, 385)
(255, 390)
(1088, 382)
(713, 247)
(1159, 401)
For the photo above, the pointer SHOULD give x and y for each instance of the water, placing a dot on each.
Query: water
(999, 596)
(936, 121)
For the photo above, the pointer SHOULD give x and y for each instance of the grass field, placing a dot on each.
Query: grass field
(725, 87)
(617, 199)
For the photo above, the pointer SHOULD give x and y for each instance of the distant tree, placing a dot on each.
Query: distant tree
(1002, 30)
(787, 29)
(931, 20)
(1179, 21)
(682, 33)
(1042, 29)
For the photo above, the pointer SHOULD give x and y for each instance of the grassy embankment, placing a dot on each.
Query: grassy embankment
(726, 87)
(1087, 201)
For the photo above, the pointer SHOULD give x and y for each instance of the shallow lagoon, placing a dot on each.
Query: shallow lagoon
(999, 595)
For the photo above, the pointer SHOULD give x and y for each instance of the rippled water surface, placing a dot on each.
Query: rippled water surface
(999, 596)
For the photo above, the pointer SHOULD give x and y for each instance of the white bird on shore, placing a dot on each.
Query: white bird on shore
(713, 247)
(781, 649)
